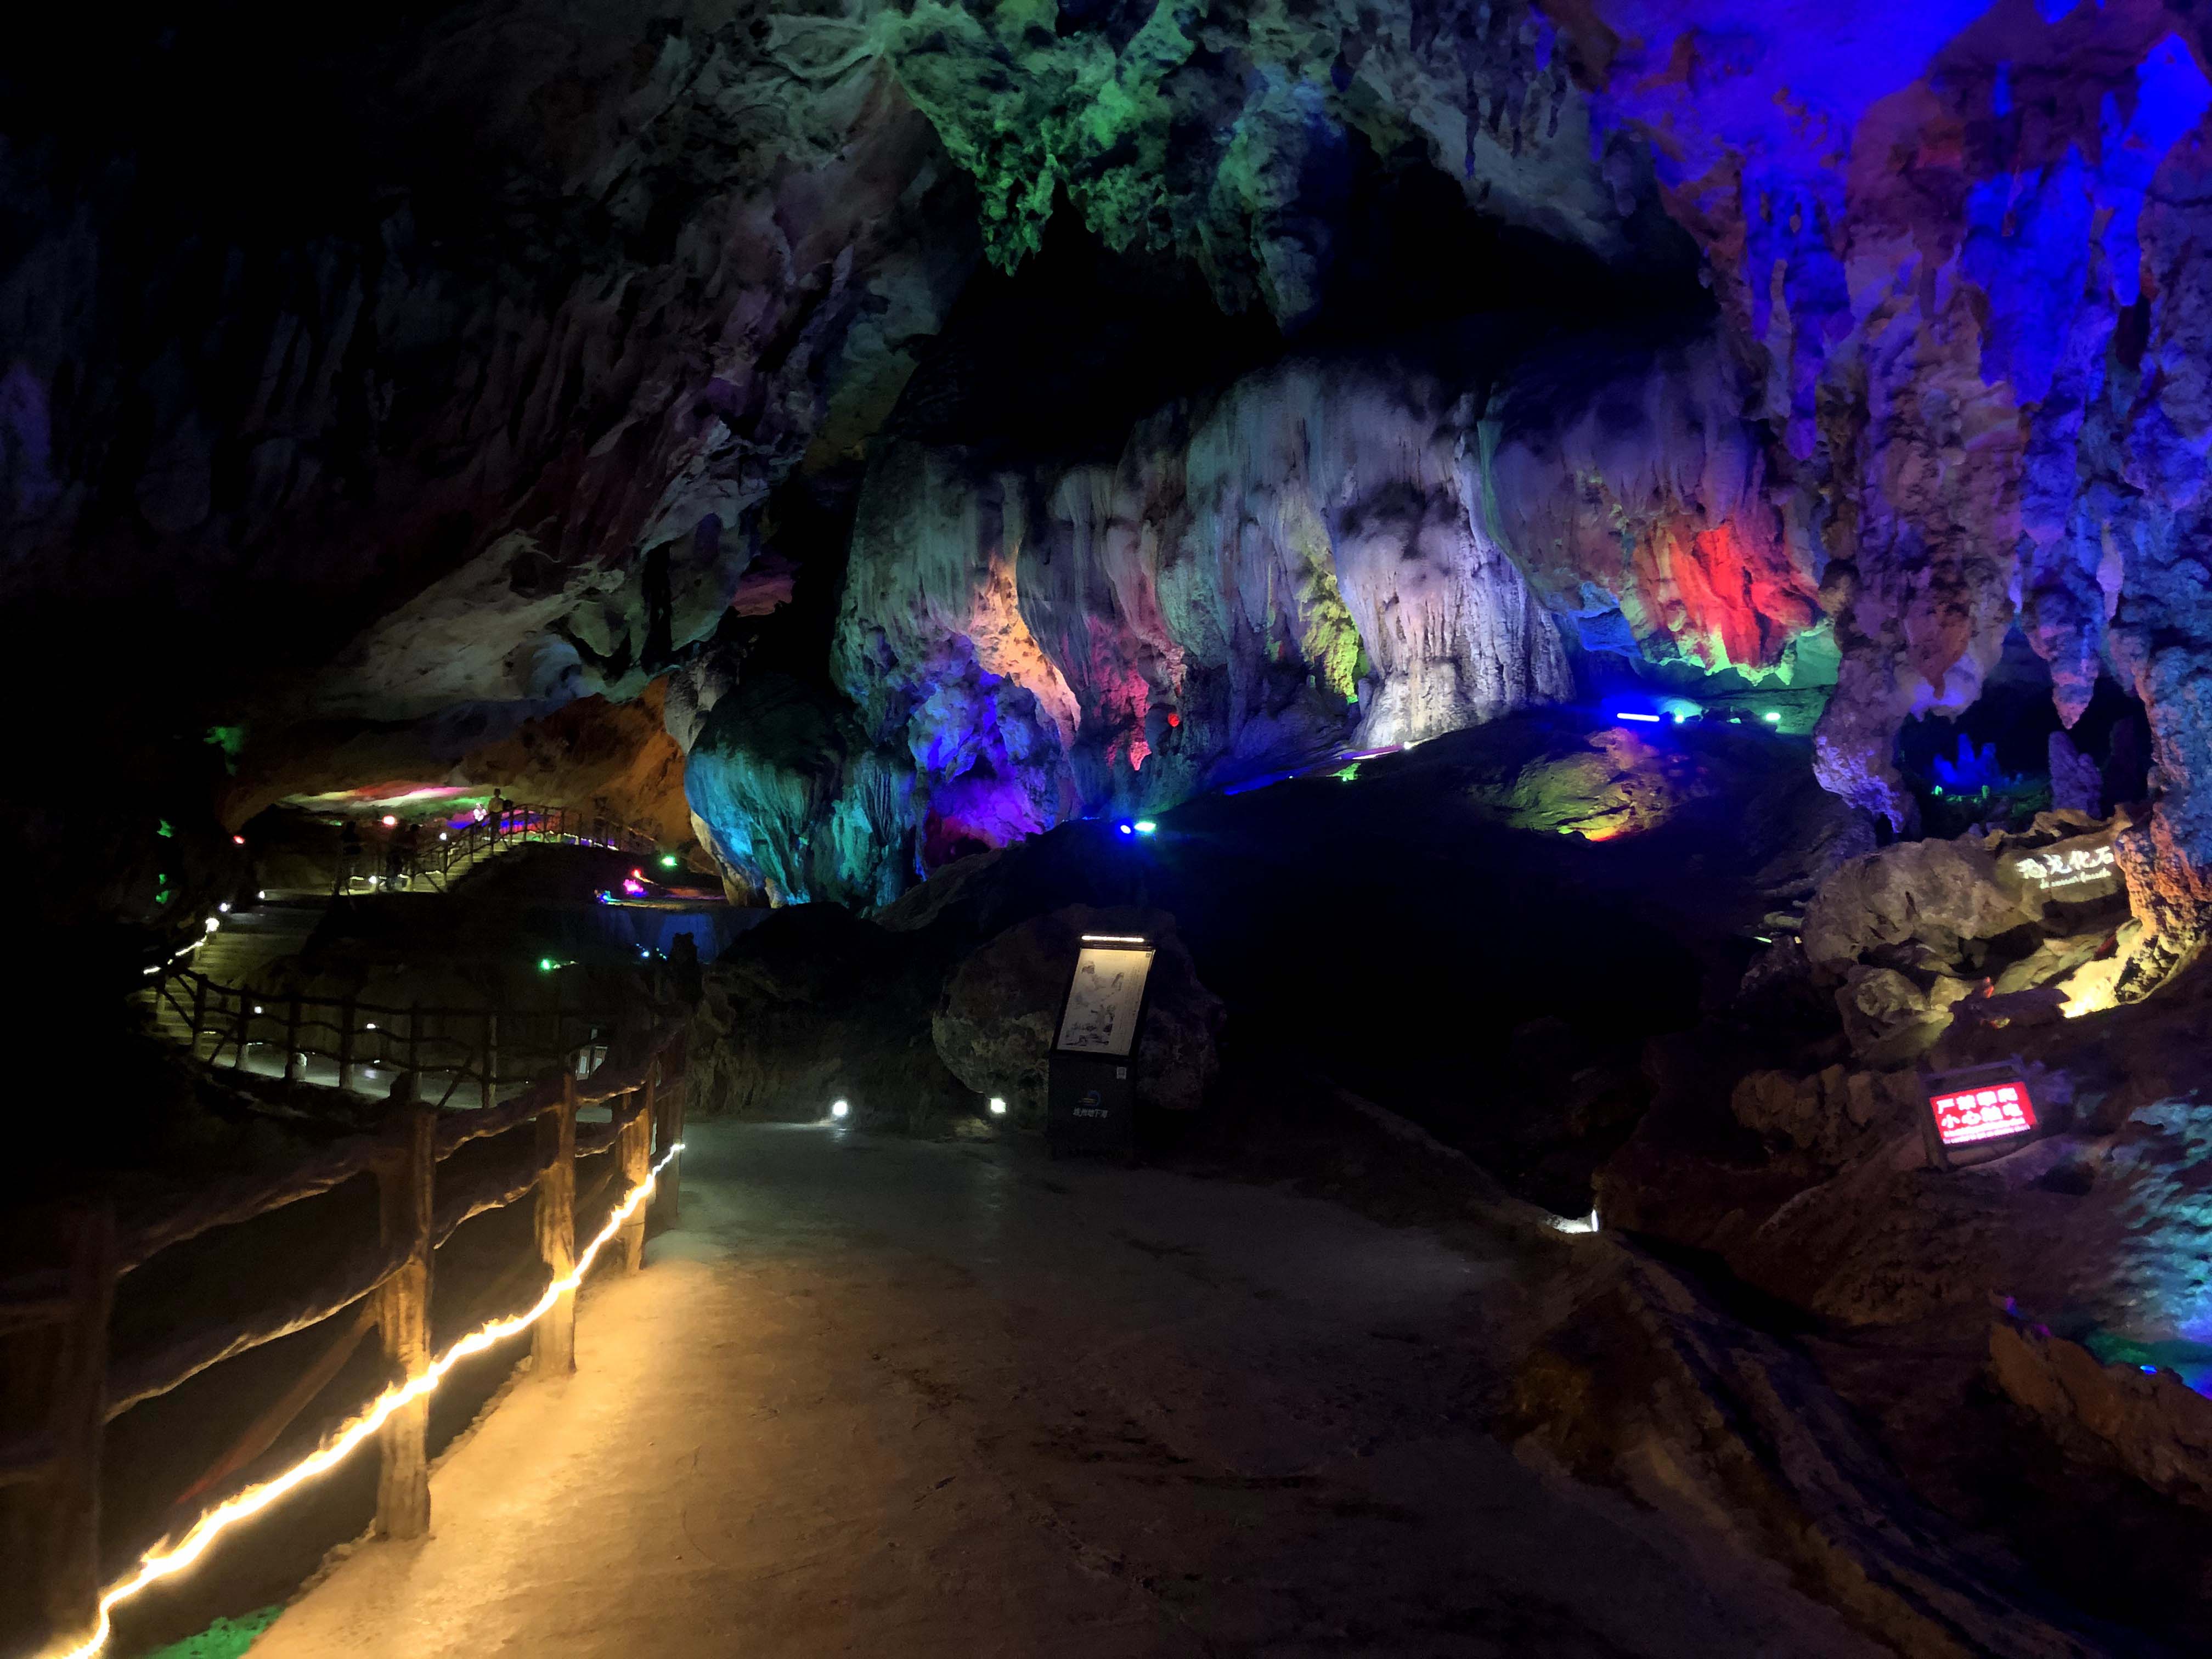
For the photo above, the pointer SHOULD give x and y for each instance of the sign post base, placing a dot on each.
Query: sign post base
(1090, 1105)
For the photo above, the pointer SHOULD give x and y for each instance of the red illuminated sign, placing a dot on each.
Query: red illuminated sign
(1990, 1111)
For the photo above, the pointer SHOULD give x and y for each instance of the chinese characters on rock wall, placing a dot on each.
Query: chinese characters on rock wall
(2055, 871)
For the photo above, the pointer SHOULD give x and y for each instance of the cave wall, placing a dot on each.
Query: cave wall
(438, 356)
(451, 355)
(1962, 241)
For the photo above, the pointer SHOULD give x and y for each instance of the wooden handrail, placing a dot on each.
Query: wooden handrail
(245, 1199)
(134, 1381)
(54, 1470)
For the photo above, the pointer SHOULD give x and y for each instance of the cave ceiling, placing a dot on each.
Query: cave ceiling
(423, 372)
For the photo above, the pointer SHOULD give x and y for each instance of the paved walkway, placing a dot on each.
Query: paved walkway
(901, 1400)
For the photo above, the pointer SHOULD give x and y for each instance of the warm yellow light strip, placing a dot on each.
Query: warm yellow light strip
(158, 1564)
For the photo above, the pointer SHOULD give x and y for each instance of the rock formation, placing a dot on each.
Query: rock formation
(996, 1029)
(1333, 557)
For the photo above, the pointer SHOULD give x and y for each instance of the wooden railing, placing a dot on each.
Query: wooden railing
(54, 1324)
(476, 1051)
(435, 863)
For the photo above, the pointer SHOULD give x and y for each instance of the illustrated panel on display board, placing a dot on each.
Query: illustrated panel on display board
(1103, 1001)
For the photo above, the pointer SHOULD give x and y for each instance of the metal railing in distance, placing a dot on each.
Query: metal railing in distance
(460, 1052)
(437, 863)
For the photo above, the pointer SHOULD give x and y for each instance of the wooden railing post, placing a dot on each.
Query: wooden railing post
(553, 1340)
(490, 1058)
(346, 1013)
(403, 1320)
(199, 1012)
(668, 1111)
(244, 1027)
(637, 1164)
(53, 1535)
(292, 1056)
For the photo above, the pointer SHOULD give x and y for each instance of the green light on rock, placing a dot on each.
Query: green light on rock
(546, 965)
(668, 860)
(231, 740)
(163, 829)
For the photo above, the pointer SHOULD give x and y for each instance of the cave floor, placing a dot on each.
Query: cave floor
(915, 1398)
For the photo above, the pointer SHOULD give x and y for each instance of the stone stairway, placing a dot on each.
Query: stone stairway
(239, 952)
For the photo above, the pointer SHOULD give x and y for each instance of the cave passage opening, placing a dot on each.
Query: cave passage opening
(2009, 754)
(1061, 355)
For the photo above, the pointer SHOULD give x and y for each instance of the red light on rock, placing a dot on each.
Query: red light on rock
(1174, 719)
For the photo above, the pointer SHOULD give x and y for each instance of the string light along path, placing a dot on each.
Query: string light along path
(159, 1563)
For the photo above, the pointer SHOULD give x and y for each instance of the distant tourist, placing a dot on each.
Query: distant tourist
(350, 852)
(684, 977)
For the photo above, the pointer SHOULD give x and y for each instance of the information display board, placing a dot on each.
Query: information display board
(1979, 1113)
(1090, 1102)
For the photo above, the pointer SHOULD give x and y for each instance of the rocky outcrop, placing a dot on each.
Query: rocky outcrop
(470, 417)
(1908, 932)
(611, 757)
(2142, 1417)
(485, 420)
(1830, 1117)
(1619, 785)
(1335, 556)
(815, 1004)
(995, 1030)
(795, 805)
(1643, 1380)
(1973, 266)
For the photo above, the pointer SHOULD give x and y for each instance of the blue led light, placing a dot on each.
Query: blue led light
(1651, 720)
(1126, 829)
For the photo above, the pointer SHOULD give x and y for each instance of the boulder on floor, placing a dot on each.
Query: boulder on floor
(1927, 901)
(1908, 933)
(995, 1031)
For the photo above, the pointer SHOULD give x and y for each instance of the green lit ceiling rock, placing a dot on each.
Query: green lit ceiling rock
(1221, 133)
